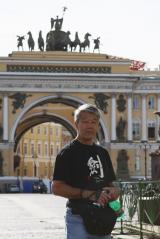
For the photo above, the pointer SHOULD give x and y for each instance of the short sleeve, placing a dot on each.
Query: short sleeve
(62, 170)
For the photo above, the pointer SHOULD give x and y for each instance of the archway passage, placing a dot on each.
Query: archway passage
(37, 156)
(37, 119)
(56, 109)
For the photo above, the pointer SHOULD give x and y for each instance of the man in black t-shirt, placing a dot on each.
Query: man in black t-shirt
(83, 170)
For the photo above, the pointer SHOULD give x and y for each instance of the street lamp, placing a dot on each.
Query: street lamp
(145, 145)
(158, 114)
(34, 156)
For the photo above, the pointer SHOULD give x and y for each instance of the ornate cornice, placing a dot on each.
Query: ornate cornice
(57, 84)
(58, 69)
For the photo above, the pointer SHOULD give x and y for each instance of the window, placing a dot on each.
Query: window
(51, 131)
(136, 102)
(32, 149)
(25, 149)
(32, 130)
(151, 102)
(45, 130)
(57, 149)
(151, 131)
(56, 131)
(39, 149)
(136, 130)
(46, 149)
(52, 150)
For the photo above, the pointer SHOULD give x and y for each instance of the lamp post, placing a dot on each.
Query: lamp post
(158, 122)
(34, 156)
(145, 145)
(155, 156)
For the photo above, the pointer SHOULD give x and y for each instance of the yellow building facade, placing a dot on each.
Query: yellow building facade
(37, 150)
(40, 87)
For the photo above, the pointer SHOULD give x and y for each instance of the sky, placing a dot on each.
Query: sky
(127, 28)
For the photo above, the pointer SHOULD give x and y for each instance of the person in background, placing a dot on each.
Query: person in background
(83, 171)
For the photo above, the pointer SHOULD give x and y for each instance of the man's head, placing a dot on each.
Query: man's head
(86, 108)
(87, 121)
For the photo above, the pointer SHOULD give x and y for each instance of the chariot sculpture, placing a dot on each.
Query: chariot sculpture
(57, 39)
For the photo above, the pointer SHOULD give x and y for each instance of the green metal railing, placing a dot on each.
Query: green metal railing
(140, 201)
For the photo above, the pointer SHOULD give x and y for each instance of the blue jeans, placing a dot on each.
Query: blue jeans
(75, 228)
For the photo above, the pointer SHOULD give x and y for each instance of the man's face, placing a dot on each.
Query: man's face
(87, 127)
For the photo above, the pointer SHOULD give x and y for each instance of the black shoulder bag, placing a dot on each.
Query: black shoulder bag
(98, 220)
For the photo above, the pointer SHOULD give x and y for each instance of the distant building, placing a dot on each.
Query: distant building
(38, 148)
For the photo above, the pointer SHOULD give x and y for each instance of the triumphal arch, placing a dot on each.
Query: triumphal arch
(47, 86)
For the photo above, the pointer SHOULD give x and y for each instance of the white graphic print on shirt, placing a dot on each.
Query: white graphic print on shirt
(95, 167)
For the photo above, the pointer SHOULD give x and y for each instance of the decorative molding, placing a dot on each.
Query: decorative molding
(100, 101)
(19, 100)
(121, 103)
(82, 84)
(58, 69)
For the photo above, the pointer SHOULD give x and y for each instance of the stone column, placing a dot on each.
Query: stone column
(158, 120)
(130, 130)
(5, 118)
(144, 119)
(113, 119)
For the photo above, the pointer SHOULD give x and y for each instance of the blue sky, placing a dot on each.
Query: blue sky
(127, 28)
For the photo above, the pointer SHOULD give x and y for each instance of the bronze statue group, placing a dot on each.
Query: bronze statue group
(58, 40)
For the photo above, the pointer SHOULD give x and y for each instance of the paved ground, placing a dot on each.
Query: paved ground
(34, 216)
(27, 216)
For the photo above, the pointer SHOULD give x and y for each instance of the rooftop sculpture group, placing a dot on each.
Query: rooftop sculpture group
(58, 40)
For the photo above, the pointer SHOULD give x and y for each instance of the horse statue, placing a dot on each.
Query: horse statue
(66, 41)
(40, 41)
(50, 41)
(31, 42)
(86, 42)
(20, 41)
(73, 44)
